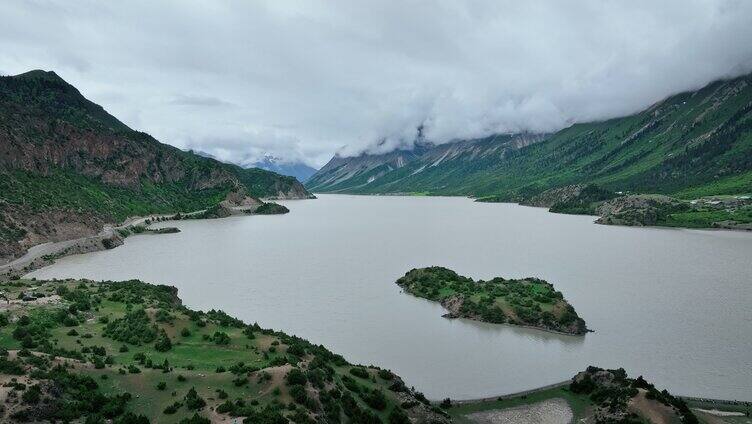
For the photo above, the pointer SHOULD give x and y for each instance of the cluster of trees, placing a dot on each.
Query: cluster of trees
(135, 328)
(271, 208)
(75, 396)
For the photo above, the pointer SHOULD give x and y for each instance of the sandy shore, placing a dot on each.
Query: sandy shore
(551, 411)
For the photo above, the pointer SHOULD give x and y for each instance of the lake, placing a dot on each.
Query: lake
(673, 305)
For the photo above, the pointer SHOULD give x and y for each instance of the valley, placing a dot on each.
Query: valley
(285, 212)
(695, 145)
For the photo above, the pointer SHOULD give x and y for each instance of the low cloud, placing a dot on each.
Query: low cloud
(199, 101)
(302, 80)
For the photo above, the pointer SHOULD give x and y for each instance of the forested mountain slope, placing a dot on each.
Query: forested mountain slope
(428, 167)
(67, 167)
(688, 145)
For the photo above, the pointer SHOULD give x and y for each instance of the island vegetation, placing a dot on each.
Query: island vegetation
(528, 302)
(130, 352)
(271, 208)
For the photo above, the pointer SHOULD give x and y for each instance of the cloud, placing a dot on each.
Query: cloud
(304, 79)
(199, 101)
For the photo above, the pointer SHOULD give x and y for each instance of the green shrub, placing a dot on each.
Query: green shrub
(193, 401)
(296, 376)
(359, 372)
(134, 328)
(163, 343)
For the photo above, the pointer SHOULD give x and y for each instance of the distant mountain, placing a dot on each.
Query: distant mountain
(690, 144)
(299, 170)
(67, 167)
(427, 167)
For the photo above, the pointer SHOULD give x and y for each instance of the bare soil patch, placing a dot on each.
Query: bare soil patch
(551, 411)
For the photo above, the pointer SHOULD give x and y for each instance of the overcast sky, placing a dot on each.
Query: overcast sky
(302, 80)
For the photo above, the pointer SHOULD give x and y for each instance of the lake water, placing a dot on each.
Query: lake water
(672, 305)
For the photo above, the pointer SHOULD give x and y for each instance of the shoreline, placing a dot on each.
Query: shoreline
(565, 383)
(45, 254)
(511, 395)
(597, 217)
(530, 327)
(477, 200)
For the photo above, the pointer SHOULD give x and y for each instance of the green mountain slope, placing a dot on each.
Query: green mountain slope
(691, 144)
(67, 167)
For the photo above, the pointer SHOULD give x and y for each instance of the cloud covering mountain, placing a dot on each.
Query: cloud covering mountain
(301, 80)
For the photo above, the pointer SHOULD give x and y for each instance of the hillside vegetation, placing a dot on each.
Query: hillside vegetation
(690, 145)
(130, 352)
(67, 167)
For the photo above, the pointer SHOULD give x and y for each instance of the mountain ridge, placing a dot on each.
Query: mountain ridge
(67, 167)
(692, 143)
(299, 170)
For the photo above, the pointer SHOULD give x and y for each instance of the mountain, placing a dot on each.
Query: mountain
(426, 168)
(696, 143)
(299, 170)
(67, 167)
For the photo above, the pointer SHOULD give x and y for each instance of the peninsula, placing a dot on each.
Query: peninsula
(130, 352)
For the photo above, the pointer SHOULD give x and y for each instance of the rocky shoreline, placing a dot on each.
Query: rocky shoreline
(110, 237)
(644, 210)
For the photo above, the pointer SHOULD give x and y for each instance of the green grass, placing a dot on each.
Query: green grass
(706, 218)
(195, 355)
(732, 185)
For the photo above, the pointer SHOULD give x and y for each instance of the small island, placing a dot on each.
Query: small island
(529, 302)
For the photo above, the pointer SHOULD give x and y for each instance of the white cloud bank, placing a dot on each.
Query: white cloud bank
(301, 79)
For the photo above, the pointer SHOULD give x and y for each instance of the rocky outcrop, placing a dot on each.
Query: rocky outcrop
(239, 199)
(67, 167)
(290, 192)
(638, 210)
(28, 229)
(420, 410)
(553, 196)
(620, 399)
(453, 304)
(578, 199)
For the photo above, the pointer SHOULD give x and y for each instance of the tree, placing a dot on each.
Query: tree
(163, 343)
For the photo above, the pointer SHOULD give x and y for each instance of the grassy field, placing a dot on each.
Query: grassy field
(173, 363)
